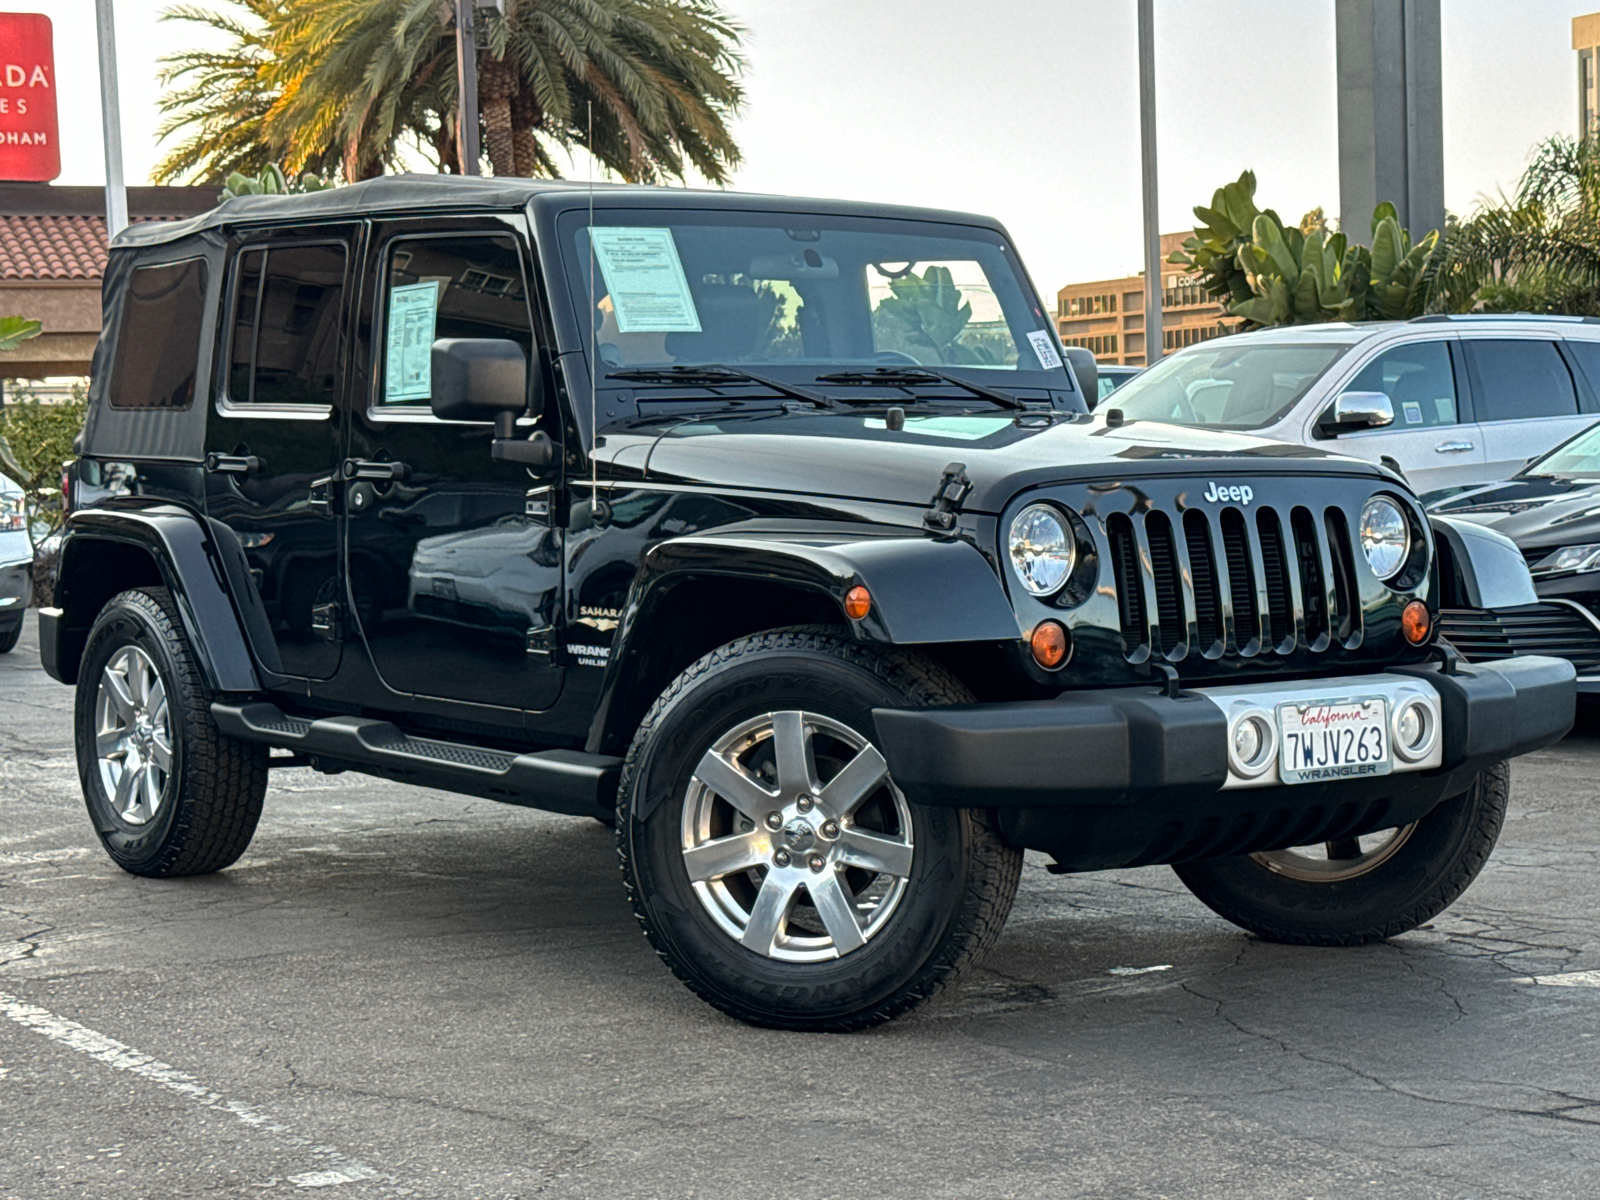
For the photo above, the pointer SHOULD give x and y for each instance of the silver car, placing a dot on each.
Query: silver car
(16, 564)
(1456, 401)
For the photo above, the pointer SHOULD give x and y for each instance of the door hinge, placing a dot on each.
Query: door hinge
(327, 622)
(947, 497)
(542, 645)
(320, 501)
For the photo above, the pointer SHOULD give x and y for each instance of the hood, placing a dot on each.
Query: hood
(856, 456)
(1533, 512)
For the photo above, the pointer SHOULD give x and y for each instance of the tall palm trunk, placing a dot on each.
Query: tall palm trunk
(497, 82)
(525, 116)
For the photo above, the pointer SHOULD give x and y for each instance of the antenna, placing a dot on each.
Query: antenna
(594, 346)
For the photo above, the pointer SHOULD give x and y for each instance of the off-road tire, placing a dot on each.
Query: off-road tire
(962, 880)
(9, 639)
(214, 792)
(1440, 857)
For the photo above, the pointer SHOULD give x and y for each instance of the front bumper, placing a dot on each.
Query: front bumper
(1128, 776)
(16, 589)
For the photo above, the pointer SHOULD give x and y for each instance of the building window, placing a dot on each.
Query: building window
(1087, 306)
(1099, 345)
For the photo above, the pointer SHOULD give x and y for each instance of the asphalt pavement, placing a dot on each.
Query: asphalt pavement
(399, 992)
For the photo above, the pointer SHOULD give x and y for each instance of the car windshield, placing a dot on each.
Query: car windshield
(1224, 386)
(1580, 456)
(671, 288)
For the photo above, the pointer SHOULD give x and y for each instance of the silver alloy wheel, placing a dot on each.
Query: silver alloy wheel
(133, 735)
(1343, 858)
(795, 839)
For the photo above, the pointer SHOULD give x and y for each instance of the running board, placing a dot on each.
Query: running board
(563, 781)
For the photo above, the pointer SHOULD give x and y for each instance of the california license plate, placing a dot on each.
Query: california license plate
(1345, 739)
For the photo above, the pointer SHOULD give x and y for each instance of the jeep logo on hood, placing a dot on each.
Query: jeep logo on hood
(1240, 494)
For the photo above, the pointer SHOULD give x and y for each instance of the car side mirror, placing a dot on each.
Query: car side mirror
(1085, 370)
(1357, 410)
(486, 379)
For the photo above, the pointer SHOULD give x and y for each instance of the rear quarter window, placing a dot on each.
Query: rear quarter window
(158, 338)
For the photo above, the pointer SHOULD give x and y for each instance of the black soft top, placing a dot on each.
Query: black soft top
(416, 193)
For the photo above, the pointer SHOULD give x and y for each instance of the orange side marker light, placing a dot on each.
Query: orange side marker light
(1049, 644)
(1416, 622)
(857, 602)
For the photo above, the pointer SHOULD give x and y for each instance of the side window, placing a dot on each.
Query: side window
(447, 287)
(1419, 382)
(1521, 380)
(158, 339)
(286, 324)
(1588, 356)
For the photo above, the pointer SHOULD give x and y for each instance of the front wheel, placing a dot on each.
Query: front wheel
(1359, 889)
(771, 859)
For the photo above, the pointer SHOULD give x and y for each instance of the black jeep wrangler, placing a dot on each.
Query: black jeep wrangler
(774, 532)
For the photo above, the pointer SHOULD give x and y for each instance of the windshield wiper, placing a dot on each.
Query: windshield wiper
(714, 375)
(903, 377)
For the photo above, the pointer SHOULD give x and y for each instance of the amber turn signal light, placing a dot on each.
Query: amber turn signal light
(857, 602)
(1049, 644)
(1416, 622)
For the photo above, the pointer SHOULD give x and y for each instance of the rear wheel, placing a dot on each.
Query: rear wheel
(1359, 889)
(9, 638)
(168, 794)
(771, 859)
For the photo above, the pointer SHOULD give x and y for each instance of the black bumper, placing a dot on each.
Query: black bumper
(1131, 776)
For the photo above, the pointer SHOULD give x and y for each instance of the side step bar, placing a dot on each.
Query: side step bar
(563, 781)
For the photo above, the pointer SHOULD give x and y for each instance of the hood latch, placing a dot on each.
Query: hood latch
(947, 497)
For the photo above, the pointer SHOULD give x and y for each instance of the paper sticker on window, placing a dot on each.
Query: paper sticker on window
(413, 308)
(1413, 412)
(1044, 349)
(642, 271)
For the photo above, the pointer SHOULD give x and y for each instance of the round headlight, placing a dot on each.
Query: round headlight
(1042, 550)
(1385, 536)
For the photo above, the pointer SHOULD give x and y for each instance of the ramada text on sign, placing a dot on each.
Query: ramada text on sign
(29, 147)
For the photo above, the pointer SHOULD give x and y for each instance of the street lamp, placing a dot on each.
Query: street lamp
(467, 76)
(111, 120)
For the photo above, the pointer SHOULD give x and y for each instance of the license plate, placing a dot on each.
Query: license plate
(1344, 739)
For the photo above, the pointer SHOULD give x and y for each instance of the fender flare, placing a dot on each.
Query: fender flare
(1489, 570)
(925, 591)
(193, 568)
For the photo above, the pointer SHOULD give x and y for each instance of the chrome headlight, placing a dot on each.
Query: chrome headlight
(1385, 536)
(1569, 558)
(1042, 549)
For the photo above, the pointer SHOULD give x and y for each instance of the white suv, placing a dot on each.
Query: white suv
(1456, 401)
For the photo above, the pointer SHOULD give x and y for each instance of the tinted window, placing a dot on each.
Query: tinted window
(1588, 356)
(1520, 380)
(158, 341)
(1226, 385)
(448, 287)
(1418, 381)
(285, 344)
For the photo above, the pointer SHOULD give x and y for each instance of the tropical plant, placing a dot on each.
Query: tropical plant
(36, 441)
(1539, 249)
(271, 182)
(925, 314)
(1272, 274)
(16, 330)
(647, 86)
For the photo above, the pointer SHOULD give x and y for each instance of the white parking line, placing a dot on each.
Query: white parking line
(1569, 979)
(35, 857)
(338, 1167)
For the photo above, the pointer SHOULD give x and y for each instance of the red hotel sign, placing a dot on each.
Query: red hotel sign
(28, 146)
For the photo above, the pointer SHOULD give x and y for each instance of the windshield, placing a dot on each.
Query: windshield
(674, 288)
(1225, 387)
(1580, 456)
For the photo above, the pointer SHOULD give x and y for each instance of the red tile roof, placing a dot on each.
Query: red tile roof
(52, 247)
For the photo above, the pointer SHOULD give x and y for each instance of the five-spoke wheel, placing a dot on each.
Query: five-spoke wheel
(133, 735)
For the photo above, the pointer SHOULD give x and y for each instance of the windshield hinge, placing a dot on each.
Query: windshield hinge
(947, 497)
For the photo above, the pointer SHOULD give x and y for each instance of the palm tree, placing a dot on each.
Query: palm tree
(1537, 251)
(647, 86)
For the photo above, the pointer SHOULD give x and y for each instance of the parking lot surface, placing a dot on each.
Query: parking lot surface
(399, 992)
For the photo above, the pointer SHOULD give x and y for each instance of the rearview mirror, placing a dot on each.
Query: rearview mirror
(1357, 410)
(478, 379)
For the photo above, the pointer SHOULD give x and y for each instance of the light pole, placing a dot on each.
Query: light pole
(1153, 347)
(111, 119)
(467, 77)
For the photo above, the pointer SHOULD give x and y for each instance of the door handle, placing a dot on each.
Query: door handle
(233, 464)
(355, 468)
(1451, 447)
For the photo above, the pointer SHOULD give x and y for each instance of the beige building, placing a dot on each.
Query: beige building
(1107, 315)
(1586, 41)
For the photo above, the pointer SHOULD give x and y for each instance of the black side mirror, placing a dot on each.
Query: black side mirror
(1085, 370)
(486, 379)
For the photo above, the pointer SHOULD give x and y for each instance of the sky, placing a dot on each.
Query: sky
(1021, 109)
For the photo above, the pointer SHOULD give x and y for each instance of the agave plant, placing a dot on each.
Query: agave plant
(271, 182)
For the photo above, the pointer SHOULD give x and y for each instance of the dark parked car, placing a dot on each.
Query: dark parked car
(774, 532)
(1112, 377)
(1551, 511)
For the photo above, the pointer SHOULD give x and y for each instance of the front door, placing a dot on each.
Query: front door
(273, 437)
(454, 560)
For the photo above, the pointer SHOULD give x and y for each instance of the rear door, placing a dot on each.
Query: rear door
(1526, 398)
(1432, 439)
(274, 435)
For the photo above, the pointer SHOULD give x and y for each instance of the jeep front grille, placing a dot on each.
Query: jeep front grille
(1238, 582)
